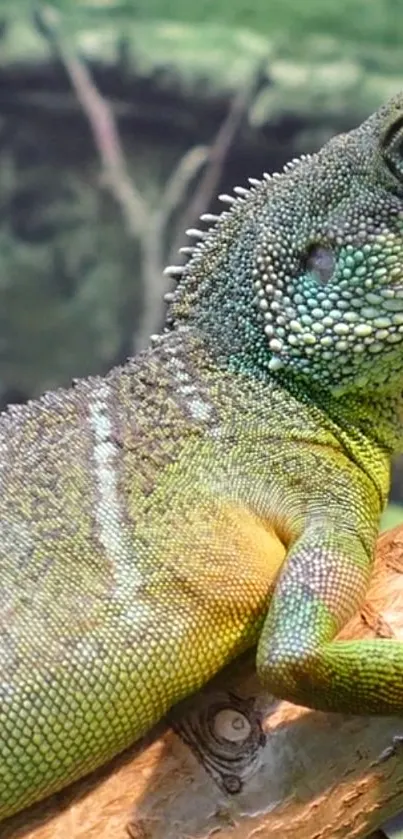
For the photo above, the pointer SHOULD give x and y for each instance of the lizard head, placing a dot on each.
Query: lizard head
(303, 275)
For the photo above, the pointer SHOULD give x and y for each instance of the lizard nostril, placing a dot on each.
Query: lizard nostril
(320, 261)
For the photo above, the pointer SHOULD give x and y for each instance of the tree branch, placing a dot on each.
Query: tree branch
(102, 123)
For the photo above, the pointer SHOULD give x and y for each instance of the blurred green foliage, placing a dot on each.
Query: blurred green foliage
(358, 21)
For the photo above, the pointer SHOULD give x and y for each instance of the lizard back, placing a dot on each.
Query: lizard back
(97, 567)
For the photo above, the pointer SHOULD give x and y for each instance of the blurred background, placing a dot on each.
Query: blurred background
(120, 122)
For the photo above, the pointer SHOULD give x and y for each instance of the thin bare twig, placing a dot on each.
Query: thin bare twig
(148, 226)
(218, 154)
(102, 123)
(154, 243)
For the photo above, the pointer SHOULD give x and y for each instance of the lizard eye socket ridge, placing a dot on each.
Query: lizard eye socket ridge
(392, 148)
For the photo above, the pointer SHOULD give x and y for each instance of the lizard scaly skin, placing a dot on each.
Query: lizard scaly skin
(221, 490)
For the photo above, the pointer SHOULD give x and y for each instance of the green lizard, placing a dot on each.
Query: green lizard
(221, 490)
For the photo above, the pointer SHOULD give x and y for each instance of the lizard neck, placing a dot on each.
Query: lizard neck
(216, 298)
(368, 421)
(308, 414)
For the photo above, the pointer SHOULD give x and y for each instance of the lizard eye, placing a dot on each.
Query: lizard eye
(392, 148)
(320, 262)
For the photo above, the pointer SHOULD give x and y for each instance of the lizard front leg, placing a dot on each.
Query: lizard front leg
(322, 583)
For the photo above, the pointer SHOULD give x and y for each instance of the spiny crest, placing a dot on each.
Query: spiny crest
(241, 195)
